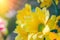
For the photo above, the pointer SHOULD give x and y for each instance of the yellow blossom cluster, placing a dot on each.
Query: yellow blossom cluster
(36, 25)
(47, 3)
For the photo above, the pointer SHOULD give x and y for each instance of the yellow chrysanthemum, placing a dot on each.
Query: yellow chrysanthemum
(52, 36)
(58, 23)
(52, 22)
(23, 35)
(30, 22)
(46, 3)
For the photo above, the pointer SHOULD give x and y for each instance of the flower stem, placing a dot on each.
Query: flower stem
(56, 8)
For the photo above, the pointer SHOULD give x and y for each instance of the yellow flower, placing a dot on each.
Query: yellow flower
(21, 31)
(30, 22)
(46, 3)
(52, 22)
(58, 23)
(52, 36)
(57, 1)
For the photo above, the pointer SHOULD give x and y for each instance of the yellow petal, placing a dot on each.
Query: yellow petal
(43, 14)
(51, 22)
(46, 3)
(31, 23)
(19, 30)
(51, 36)
(19, 37)
(57, 1)
(57, 26)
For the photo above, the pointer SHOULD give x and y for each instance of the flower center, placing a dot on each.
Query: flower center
(41, 27)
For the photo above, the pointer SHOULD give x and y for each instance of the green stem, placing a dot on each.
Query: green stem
(56, 8)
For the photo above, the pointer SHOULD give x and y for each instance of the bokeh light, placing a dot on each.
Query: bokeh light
(6, 5)
(3, 6)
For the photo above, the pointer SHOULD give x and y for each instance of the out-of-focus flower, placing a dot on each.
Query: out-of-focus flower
(14, 5)
(46, 3)
(5, 6)
(57, 1)
(11, 13)
(30, 22)
(8, 5)
(1, 36)
(3, 26)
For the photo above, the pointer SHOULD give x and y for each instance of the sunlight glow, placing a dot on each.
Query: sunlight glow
(3, 6)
